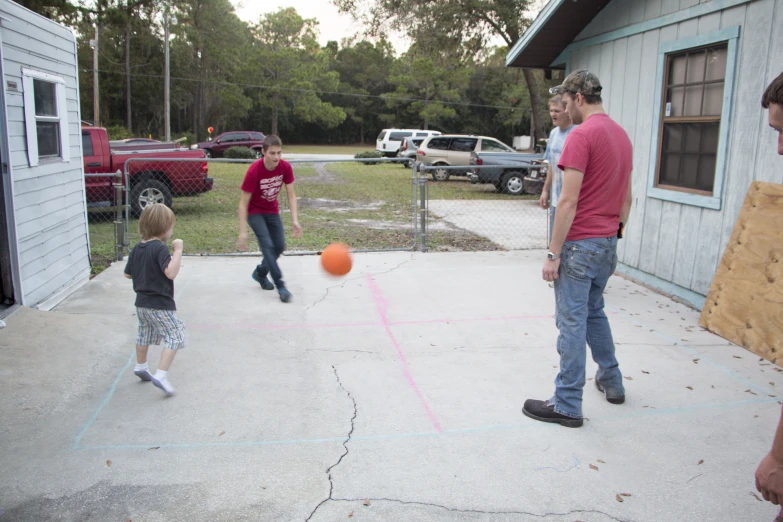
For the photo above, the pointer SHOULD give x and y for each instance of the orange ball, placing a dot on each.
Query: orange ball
(336, 259)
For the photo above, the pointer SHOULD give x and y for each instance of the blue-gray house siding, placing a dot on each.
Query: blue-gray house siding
(675, 240)
(45, 200)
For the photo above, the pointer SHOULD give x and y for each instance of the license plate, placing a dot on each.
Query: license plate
(534, 174)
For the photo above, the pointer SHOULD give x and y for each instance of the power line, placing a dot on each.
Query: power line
(317, 91)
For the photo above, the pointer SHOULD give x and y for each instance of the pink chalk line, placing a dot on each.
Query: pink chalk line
(383, 306)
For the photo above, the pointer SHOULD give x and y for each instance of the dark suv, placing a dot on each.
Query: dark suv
(250, 139)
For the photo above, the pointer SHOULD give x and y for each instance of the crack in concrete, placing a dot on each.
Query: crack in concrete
(479, 511)
(341, 285)
(345, 446)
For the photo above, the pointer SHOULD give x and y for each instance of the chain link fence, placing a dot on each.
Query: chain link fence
(486, 213)
(369, 204)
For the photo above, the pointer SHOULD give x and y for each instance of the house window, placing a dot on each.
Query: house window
(46, 117)
(692, 118)
(693, 105)
(47, 122)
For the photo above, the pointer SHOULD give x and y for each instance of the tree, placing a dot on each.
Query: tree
(212, 50)
(59, 10)
(443, 21)
(292, 67)
(364, 75)
(433, 80)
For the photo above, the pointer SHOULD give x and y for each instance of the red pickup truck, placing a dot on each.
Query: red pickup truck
(153, 181)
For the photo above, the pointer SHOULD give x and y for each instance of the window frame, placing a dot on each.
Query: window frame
(31, 119)
(730, 37)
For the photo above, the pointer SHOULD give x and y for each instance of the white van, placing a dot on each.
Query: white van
(389, 140)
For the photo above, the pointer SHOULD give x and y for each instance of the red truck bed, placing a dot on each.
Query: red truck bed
(154, 180)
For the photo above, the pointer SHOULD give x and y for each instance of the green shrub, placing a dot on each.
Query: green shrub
(240, 153)
(118, 132)
(191, 138)
(367, 155)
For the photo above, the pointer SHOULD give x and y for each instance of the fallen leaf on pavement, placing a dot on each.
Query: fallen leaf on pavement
(108, 463)
(367, 502)
(771, 383)
(749, 391)
(619, 498)
(690, 388)
(648, 373)
(756, 496)
(222, 433)
(601, 461)
(700, 462)
(625, 494)
(592, 466)
(155, 448)
(738, 357)
(629, 377)
(350, 514)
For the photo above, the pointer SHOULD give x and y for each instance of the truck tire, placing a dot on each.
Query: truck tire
(149, 191)
(441, 174)
(513, 183)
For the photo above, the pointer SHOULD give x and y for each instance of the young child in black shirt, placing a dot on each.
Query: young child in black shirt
(153, 268)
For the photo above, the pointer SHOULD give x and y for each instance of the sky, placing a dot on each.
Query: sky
(331, 24)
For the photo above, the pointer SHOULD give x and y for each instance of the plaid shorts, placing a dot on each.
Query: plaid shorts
(160, 327)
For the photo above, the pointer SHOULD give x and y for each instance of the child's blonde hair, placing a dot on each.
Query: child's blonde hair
(156, 219)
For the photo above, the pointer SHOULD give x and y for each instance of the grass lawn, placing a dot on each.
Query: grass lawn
(364, 206)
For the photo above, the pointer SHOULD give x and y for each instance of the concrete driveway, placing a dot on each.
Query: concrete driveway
(392, 394)
(516, 224)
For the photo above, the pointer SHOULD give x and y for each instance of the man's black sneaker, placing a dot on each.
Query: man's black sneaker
(285, 295)
(545, 412)
(613, 400)
(265, 283)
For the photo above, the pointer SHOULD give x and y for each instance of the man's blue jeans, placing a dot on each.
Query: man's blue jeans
(268, 228)
(585, 269)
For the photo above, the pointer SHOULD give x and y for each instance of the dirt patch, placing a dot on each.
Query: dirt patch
(323, 176)
(334, 205)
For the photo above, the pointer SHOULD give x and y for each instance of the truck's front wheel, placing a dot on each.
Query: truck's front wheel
(513, 183)
(147, 192)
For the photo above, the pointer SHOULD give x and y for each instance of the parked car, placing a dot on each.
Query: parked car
(390, 140)
(251, 139)
(453, 150)
(150, 182)
(137, 144)
(408, 150)
(516, 174)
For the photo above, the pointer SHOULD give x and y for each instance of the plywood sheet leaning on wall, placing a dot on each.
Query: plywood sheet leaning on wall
(745, 302)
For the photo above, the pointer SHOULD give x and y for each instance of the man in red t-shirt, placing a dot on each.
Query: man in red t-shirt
(594, 203)
(258, 207)
(769, 474)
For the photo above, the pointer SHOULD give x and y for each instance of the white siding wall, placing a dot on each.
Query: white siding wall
(677, 242)
(49, 199)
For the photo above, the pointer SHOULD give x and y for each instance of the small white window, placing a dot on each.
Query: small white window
(46, 117)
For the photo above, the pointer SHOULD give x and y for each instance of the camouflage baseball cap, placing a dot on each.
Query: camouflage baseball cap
(580, 80)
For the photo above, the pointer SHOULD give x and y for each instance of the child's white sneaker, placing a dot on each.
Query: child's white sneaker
(164, 384)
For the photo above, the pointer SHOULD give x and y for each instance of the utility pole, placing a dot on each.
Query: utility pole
(96, 98)
(167, 83)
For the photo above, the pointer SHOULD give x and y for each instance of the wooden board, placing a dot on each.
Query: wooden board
(745, 302)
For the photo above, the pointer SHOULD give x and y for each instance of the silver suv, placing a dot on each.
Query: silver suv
(453, 150)
(408, 151)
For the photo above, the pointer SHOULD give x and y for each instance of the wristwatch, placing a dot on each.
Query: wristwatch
(552, 257)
